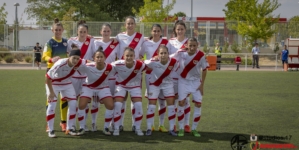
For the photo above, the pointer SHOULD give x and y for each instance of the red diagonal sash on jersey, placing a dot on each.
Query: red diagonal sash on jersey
(102, 78)
(183, 46)
(134, 42)
(84, 47)
(71, 72)
(133, 73)
(163, 42)
(166, 72)
(192, 63)
(110, 48)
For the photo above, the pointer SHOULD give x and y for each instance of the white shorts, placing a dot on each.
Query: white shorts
(175, 85)
(122, 91)
(163, 91)
(111, 83)
(187, 87)
(77, 83)
(100, 93)
(67, 92)
(147, 77)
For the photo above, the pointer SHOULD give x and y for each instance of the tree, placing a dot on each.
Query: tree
(91, 10)
(3, 15)
(293, 27)
(152, 11)
(252, 19)
(180, 14)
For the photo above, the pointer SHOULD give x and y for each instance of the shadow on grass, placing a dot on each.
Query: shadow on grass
(157, 137)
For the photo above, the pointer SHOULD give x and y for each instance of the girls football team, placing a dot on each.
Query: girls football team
(107, 70)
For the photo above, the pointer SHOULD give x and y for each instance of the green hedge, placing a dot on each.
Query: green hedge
(8, 59)
(28, 59)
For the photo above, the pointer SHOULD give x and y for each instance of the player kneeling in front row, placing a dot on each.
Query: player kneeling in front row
(161, 81)
(128, 80)
(191, 62)
(58, 80)
(97, 86)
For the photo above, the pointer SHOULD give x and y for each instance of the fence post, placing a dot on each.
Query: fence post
(245, 61)
(32, 59)
(276, 62)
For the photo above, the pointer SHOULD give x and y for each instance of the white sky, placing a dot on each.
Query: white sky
(201, 8)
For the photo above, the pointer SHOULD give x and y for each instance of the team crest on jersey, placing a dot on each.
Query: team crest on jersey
(135, 71)
(112, 46)
(64, 43)
(86, 43)
(170, 67)
(106, 72)
(136, 39)
(150, 94)
(195, 61)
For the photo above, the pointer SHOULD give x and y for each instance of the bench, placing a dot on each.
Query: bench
(226, 59)
(229, 59)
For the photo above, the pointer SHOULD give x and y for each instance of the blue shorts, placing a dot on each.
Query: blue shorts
(284, 61)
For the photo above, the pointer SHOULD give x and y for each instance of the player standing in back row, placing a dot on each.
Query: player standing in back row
(150, 48)
(86, 45)
(111, 50)
(132, 39)
(55, 49)
(180, 42)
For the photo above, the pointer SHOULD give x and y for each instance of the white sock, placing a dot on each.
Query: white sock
(86, 113)
(196, 117)
(171, 116)
(138, 114)
(187, 111)
(150, 116)
(117, 114)
(51, 114)
(81, 119)
(71, 114)
(181, 115)
(123, 110)
(162, 111)
(94, 111)
(133, 113)
(108, 118)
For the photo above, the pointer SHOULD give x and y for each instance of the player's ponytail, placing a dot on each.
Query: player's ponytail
(56, 23)
(82, 23)
(99, 50)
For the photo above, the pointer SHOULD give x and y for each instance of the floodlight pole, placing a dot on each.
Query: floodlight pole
(191, 18)
(16, 28)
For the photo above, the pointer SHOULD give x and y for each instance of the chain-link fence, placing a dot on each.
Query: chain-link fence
(208, 33)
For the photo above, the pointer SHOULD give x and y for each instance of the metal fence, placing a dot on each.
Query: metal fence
(267, 61)
(207, 32)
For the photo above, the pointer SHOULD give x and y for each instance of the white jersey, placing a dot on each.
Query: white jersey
(110, 49)
(134, 41)
(128, 77)
(87, 50)
(97, 78)
(176, 45)
(150, 48)
(61, 72)
(190, 66)
(161, 73)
